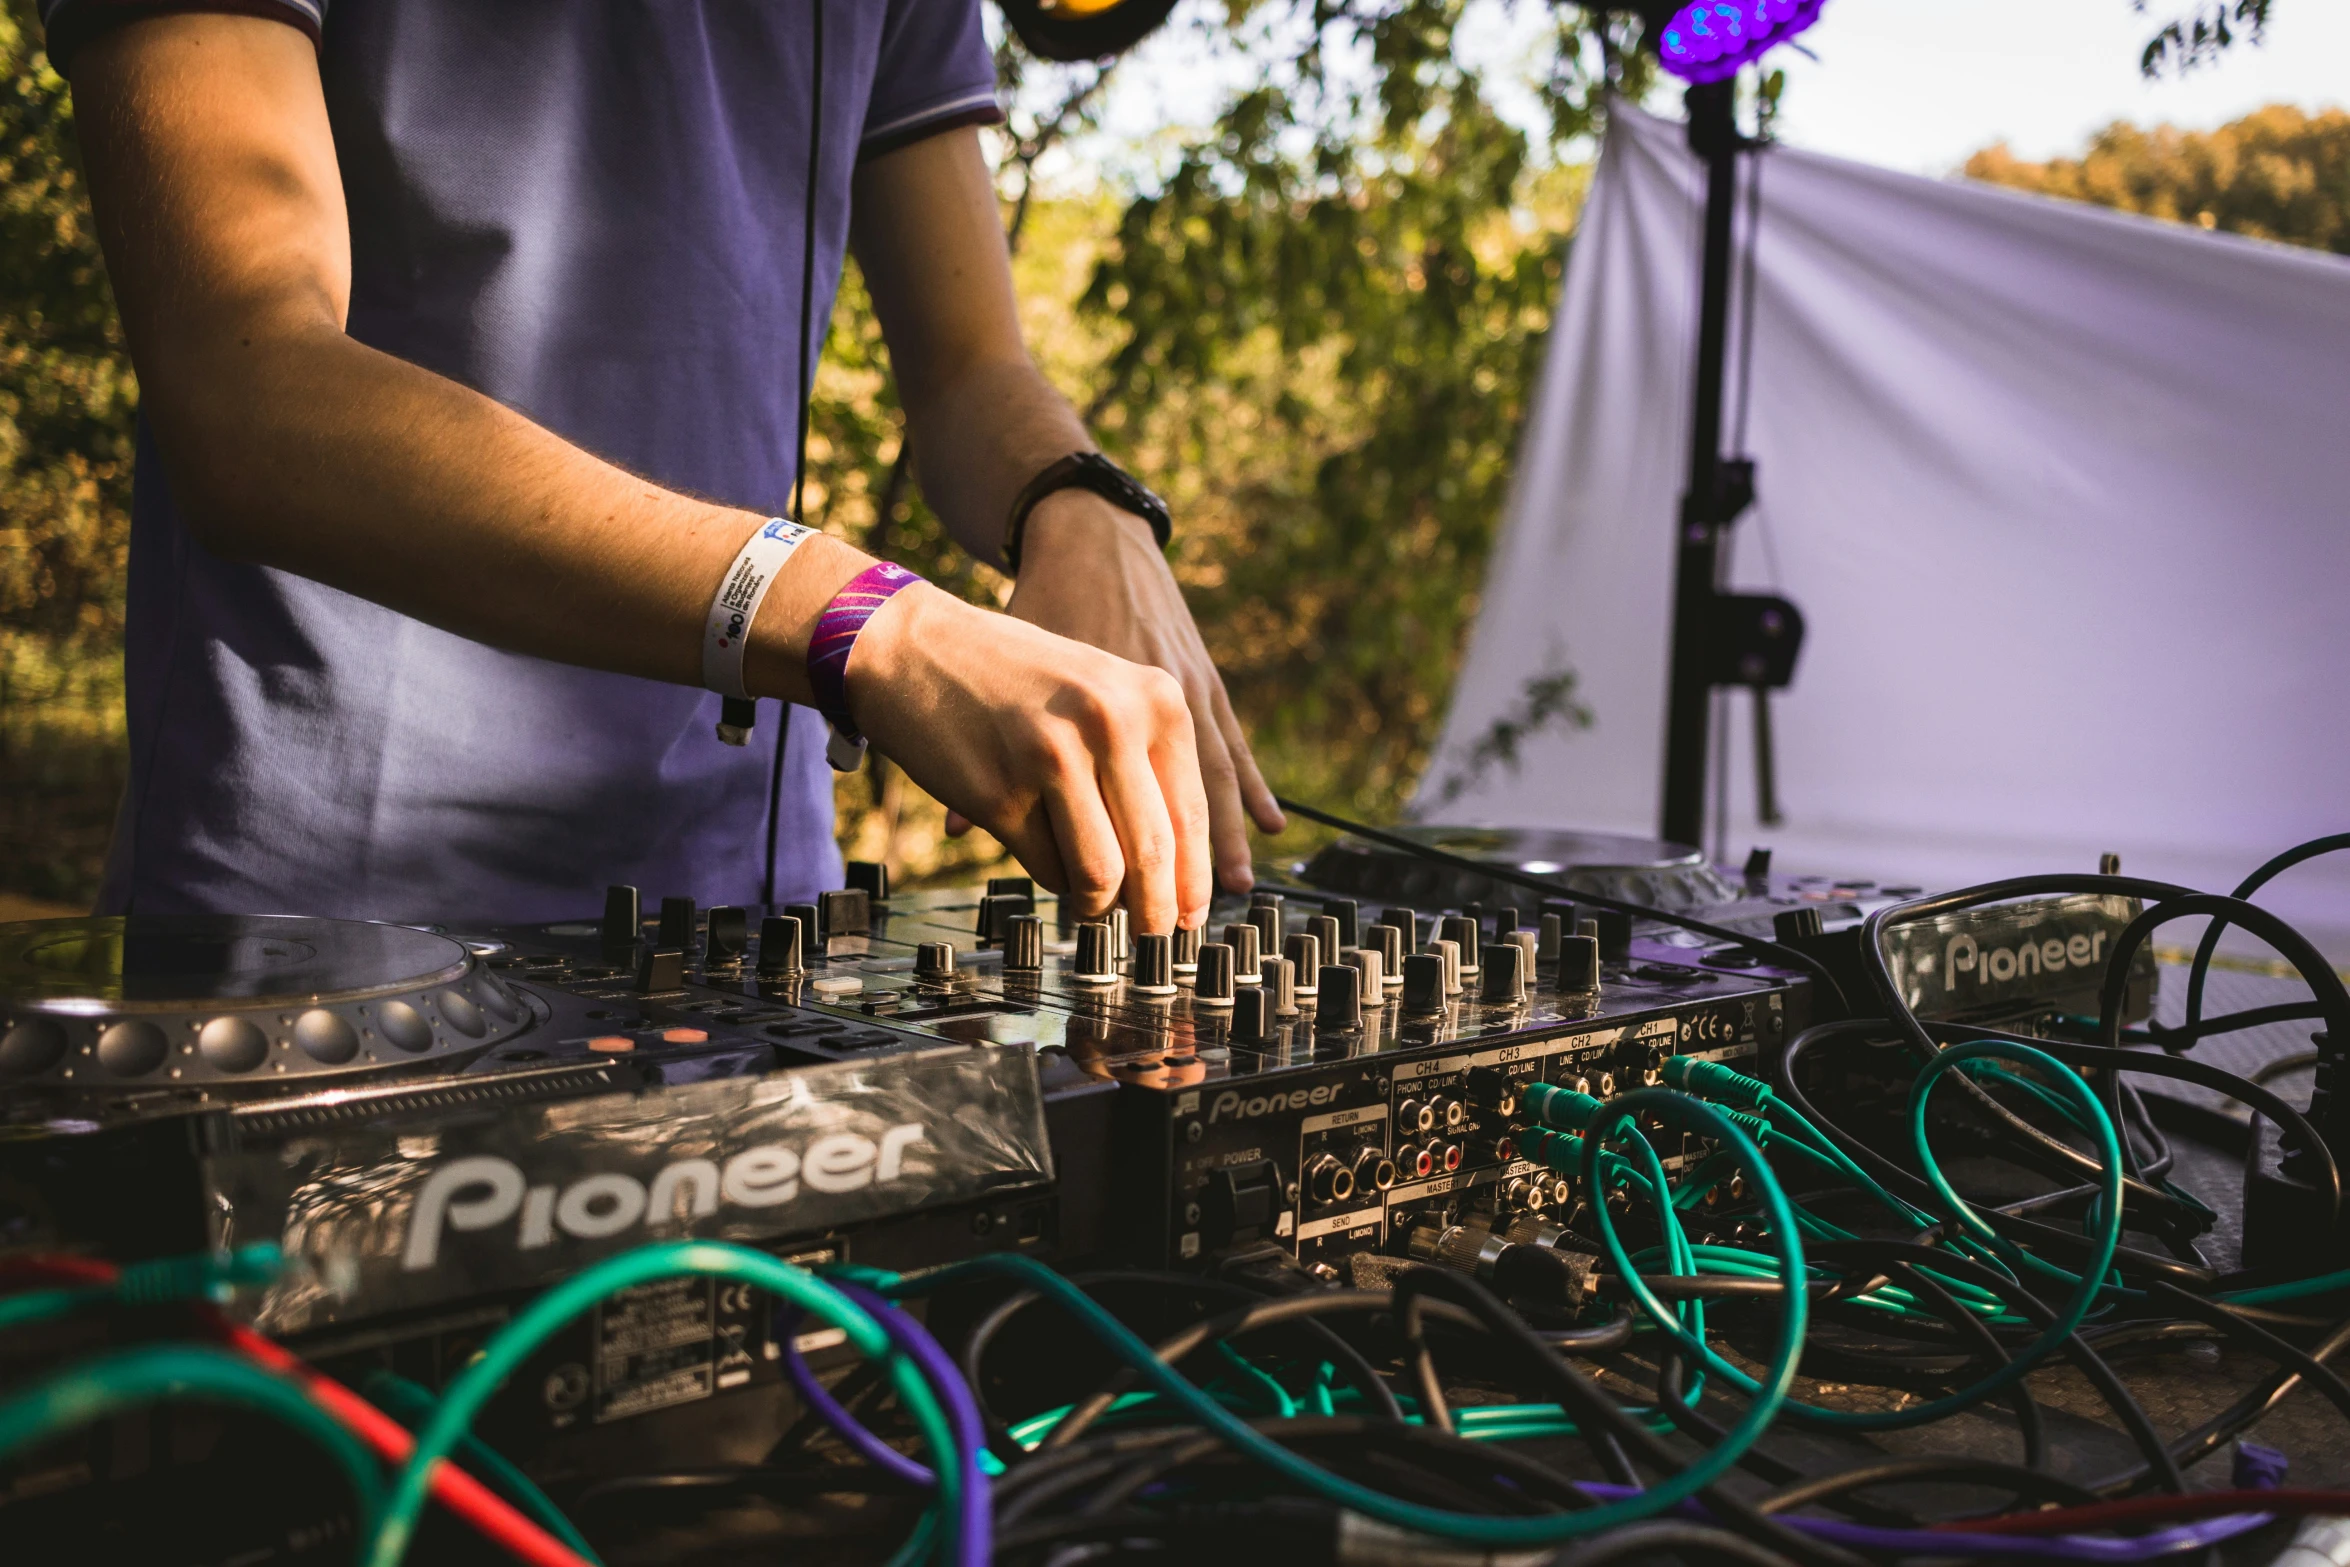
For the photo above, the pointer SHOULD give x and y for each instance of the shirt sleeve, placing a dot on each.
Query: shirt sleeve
(935, 73)
(68, 24)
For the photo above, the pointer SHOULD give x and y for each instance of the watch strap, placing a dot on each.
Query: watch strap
(1086, 471)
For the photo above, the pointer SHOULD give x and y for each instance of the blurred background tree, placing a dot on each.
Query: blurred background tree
(67, 400)
(2275, 174)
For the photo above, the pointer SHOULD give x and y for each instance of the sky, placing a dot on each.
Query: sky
(1898, 83)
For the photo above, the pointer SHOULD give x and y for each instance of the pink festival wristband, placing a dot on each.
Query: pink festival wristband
(828, 654)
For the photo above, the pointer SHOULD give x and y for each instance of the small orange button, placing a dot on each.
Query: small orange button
(685, 1036)
(612, 1044)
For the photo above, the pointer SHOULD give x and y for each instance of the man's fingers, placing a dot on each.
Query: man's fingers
(1227, 826)
(1031, 841)
(1254, 790)
(1183, 767)
(1146, 835)
(1093, 860)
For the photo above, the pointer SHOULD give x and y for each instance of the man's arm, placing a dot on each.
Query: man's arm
(984, 421)
(219, 203)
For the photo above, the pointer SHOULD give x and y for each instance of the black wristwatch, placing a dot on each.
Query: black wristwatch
(1087, 471)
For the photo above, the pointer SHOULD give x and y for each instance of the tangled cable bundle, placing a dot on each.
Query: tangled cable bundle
(1748, 1264)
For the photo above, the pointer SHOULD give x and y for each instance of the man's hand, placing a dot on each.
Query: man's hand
(1081, 762)
(984, 422)
(1094, 573)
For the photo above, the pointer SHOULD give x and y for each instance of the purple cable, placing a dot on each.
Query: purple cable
(974, 1525)
(1940, 1542)
(828, 1409)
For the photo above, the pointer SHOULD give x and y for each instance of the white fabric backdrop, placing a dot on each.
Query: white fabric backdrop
(2061, 492)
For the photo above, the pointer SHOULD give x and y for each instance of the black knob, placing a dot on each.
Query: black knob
(1406, 921)
(677, 923)
(868, 878)
(1423, 983)
(1252, 1018)
(1243, 939)
(1266, 917)
(1187, 945)
(1304, 952)
(623, 925)
(1341, 1005)
(1505, 979)
(1795, 924)
(1461, 931)
(1121, 925)
(995, 911)
(1349, 917)
(934, 960)
(1325, 930)
(660, 968)
(1615, 935)
(1505, 920)
(1546, 941)
(728, 932)
(1154, 965)
(1097, 963)
(1012, 887)
(1277, 982)
(1024, 944)
(1213, 986)
(848, 912)
(1578, 965)
(811, 933)
(779, 945)
(1387, 941)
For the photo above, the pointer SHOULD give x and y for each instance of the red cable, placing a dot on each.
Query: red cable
(2286, 1501)
(489, 1513)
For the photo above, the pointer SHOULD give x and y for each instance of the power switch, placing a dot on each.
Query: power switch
(1239, 1203)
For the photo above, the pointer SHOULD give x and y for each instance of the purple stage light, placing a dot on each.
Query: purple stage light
(1710, 39)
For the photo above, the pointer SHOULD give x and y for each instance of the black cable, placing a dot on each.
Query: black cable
(2109, 1387)
(2114, 1060)
(1260, 1315)
(1591, 1408)
(1778, 952)
(1913, 1189)
(2208, 947)
(809, 359)
(2185, 1035)
(1672, 1539)
(2021, 1479)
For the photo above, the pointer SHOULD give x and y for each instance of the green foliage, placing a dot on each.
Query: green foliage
(2276, 174)
(1328, 319)
(67, 400)
(66, 391)
(2202, 34)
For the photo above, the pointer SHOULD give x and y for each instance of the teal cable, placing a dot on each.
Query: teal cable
(1541, 1529)
(2067, 1322)
(412, 1406)
(2321, 1284)
(129, 1379)
(514, 1343)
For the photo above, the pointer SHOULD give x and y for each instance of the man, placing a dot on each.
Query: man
(470, 340)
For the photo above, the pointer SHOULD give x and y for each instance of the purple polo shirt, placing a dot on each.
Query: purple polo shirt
(592, 211)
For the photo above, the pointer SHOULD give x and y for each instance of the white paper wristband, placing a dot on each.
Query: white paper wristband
(736, 605)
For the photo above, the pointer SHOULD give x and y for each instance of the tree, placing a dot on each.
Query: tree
(67, 400)
(2277, 174)
(2202, 34)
